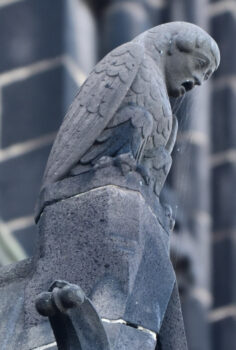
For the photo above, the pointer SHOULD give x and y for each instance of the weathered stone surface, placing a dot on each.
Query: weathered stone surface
(11, 313)
(123, 337)
(13, 333)
(116, 245)
(172, 333)
(106, 232)
(70, 187)
(122, 114)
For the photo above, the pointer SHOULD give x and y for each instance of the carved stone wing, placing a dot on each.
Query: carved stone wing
(96, 103)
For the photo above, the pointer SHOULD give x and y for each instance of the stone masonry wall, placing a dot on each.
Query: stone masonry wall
(223, 162)
(40, 72)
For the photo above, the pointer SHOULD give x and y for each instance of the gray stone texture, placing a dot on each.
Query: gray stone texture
(124, 337)
(116, 245)
(108, 241)
(225, 330)
(172, 333)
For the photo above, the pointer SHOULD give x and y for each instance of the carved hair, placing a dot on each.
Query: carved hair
(187, 37)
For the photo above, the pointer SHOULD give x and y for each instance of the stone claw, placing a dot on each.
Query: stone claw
(144, 172)
(125, 162)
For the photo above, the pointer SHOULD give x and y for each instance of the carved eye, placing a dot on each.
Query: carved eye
(201, 63)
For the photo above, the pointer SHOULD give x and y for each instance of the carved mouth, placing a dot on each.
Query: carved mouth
(188, 85)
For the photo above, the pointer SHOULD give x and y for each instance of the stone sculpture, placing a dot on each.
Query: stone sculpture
(120, 130)
(101, 224)
(122, 113)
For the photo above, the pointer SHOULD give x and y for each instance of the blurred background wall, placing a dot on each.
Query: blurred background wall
(47, 48)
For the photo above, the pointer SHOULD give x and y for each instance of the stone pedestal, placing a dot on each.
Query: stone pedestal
(114, 244)
(108, 241)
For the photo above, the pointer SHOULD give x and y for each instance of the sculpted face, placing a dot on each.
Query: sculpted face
(185, 70)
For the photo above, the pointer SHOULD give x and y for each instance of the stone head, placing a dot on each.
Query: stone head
(185, 53)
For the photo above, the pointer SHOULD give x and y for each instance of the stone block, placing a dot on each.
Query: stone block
(11, 313)
(32, 107)
(225, 21)
(13, 279)
(223, 119)
(13, 335)
(123, 337)
(20, 179)
(116, 246)
(30, 31)
(172, 333)
(109, 241)
(224, 272)
(224, 195)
